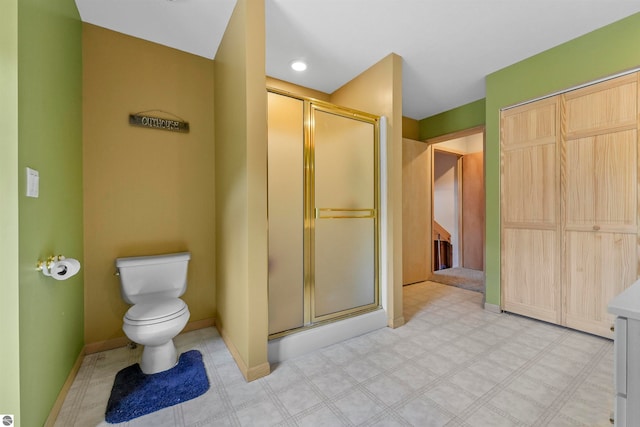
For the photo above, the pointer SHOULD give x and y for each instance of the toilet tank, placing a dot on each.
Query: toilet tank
(144, 277)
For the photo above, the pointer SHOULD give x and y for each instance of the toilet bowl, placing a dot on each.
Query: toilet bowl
(154, 324)
(153, 284)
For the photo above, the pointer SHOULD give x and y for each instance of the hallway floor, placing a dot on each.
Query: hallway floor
(465, 278)
(452, 364)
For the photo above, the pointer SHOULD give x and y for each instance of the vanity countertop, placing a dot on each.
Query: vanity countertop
(627, 304)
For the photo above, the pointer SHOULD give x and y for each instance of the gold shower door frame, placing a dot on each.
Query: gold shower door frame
(312, 213)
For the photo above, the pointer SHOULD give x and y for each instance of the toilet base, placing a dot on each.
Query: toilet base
(158, 358)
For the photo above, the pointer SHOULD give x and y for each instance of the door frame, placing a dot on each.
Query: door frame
(432, 142)
(458, 189)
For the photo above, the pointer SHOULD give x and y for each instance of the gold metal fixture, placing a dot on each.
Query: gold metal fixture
(328, 213)
(40, 265)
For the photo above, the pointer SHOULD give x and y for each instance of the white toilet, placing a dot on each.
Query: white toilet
(153, 284)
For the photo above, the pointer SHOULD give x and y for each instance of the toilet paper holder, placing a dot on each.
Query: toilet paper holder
(45, 266)
(63, 269)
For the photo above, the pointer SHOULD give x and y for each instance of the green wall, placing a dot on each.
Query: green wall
(603, 52)
(9, 332)
(49, 140)
(463, 117)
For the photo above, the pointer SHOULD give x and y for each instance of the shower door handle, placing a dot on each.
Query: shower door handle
(337, 213)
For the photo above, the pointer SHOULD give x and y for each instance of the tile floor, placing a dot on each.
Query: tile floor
(452, 364)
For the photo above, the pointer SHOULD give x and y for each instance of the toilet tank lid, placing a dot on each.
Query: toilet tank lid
(152, 259)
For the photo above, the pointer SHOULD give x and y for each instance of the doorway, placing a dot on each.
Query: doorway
(458, 209)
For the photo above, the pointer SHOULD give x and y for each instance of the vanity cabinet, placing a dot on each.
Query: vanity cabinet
(626, 308)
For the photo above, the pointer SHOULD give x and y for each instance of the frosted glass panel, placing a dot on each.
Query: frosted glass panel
(344, 270)
(286, 212)
(344, 162)
(344, 243)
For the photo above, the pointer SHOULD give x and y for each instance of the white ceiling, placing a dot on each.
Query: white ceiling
(447, 46)
(194, 26)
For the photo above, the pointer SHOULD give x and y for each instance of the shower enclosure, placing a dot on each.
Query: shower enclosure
(323, 195)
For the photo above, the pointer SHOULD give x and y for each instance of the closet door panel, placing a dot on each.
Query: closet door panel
(535, 122)
(599, 266)
(530, 209)
(608, 105)
(590, 201)
(529, 182)
(599, 192)
(530, 273)
(601, 182)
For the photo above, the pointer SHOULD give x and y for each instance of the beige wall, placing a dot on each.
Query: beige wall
(378, 90)
(410, 128)
(146, 191)
(241, 189)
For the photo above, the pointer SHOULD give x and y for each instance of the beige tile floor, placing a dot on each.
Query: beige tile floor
(452, 364)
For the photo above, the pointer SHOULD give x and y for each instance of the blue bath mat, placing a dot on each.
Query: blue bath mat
(135, 394)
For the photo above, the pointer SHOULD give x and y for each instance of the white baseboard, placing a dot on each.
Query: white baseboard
(297, 344)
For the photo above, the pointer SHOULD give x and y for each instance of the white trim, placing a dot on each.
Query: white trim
(294, 345)
(383, 256)
(580, 86)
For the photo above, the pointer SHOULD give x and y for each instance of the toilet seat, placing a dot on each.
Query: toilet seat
(157, 310)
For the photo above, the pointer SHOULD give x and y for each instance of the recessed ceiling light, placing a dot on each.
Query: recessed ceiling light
(299, 65)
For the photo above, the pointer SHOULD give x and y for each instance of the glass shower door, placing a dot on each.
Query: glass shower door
(322, 206)
(344, 213)
(286, 213)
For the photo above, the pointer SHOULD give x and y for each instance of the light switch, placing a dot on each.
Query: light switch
(33, 183)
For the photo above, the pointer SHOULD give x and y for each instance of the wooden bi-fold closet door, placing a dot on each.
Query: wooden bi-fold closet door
(530, 209)
(600, 200)
(569, 204)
